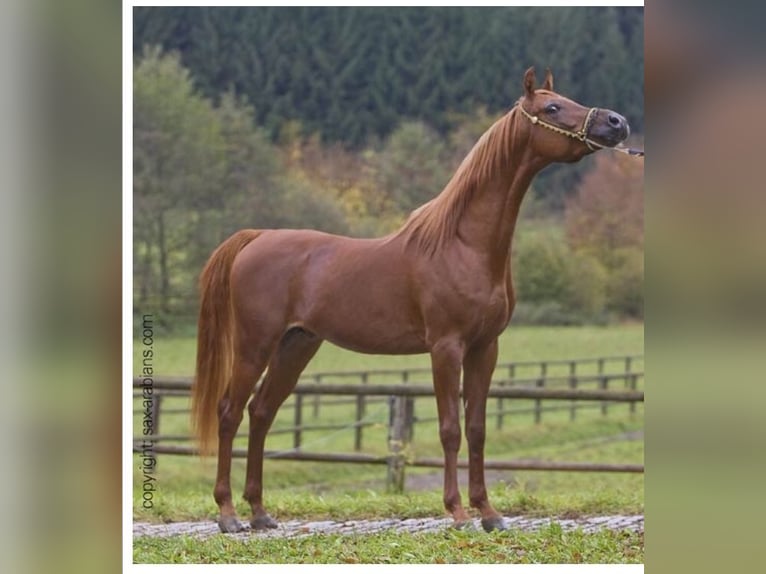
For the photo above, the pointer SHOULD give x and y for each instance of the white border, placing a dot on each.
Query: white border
(127, 285)
(394, 4)
(127, 349)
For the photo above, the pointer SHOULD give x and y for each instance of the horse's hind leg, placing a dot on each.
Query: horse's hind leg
(293, 353)
(249, 363)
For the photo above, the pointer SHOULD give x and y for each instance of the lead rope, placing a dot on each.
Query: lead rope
(581, 134)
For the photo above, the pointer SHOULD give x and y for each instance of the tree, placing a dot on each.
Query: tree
(625, 284)
(347, 179)
(555, 285)
(607, 213)
(412, 166)
(605, 220)
(177, 165)
(251, 181)
(541, 268)
(354, 74)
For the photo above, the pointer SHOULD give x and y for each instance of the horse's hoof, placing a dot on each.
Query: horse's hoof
(230, 524)
(263, 522)
(494, 523)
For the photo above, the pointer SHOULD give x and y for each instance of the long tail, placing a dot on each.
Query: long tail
(215, 338)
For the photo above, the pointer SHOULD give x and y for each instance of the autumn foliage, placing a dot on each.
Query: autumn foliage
(605, 220)
(607, 213)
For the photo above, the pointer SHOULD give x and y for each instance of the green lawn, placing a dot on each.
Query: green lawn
(175, 355)
(315, 491)
(550, 545)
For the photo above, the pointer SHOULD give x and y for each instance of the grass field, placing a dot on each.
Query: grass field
(548, 546)
(175, 355)
(315, 491)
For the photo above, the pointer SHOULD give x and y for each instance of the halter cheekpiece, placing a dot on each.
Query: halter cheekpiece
(581, 134)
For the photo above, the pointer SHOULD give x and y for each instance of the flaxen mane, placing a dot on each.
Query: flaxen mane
(435, 222)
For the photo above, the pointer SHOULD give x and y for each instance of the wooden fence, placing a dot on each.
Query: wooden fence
(538, 382)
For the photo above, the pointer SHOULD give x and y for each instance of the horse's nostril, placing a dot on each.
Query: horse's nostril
(614, 120)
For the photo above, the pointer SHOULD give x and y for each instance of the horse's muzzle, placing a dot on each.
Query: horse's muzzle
(609, 128)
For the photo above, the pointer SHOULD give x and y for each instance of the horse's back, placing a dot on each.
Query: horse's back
(291, 251)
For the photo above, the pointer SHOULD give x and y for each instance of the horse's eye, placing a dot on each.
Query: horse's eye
(552, 108)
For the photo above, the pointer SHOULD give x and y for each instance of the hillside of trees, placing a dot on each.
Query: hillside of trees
(353, 74)
(347, 119)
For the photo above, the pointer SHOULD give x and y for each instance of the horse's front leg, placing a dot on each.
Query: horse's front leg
(446, 357)
(478, 365)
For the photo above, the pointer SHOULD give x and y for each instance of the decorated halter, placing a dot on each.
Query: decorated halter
(581, 134)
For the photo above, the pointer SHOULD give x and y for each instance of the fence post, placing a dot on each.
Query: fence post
(573, 385)
(156, 404)
(360, 409)
(396, 444)
(603, 383)
(633, 382)
(540, 384)
(628, 361)
(499, 423)
(298, 422)
(156, 408)
(409, 419)
(317, 380)
(409, 410)
(500, 413)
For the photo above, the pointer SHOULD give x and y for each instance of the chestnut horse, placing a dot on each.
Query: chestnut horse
(441, 285)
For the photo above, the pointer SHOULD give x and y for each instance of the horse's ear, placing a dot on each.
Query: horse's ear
(530, 81)
(548, 84)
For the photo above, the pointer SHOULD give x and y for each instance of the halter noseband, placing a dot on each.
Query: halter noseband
(581, 134)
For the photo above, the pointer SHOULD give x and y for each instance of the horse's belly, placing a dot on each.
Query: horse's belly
(362, 304)
(377, 346)
(372, 337)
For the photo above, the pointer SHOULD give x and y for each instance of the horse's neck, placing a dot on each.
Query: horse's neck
(490, 219)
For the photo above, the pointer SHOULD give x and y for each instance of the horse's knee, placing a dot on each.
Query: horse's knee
(450, 437)
(475, 434)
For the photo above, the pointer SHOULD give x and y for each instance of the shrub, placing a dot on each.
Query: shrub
(625, 289)
(546, 313)
(555, 286)
(540, 268)
(587, 285)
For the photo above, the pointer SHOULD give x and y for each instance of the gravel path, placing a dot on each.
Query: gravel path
(297, 528)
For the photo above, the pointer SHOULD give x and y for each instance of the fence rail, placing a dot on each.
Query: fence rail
(428, 462)
(538, 388)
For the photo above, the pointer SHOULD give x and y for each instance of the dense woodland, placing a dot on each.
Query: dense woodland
(345, 119)
(353, 74)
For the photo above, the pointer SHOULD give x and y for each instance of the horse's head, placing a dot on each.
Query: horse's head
(563, 130)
